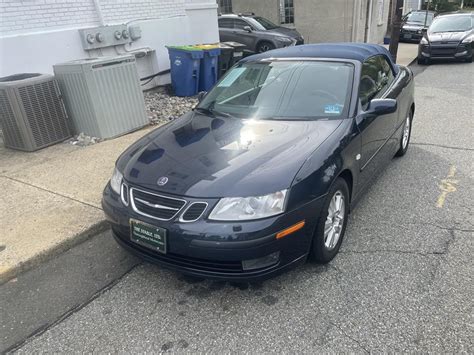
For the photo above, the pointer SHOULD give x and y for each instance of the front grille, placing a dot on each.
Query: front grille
(194, 211)
(443, 51)
(445, 42)
(155, 206)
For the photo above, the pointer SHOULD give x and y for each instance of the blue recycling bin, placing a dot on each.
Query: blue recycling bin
(185, 69)
(209, 66)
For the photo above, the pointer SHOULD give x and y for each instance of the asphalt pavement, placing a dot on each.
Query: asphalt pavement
(403, 280)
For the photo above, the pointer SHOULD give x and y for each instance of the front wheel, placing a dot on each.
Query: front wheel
(332, 223)
(406, 134)
(265, 46)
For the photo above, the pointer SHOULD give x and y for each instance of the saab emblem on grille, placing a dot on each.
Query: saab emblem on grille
(162, 181)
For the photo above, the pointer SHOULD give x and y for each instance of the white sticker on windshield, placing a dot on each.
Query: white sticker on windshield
(333, 109)
(232, 76)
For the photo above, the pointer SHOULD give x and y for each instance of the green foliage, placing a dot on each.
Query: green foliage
(445, 5)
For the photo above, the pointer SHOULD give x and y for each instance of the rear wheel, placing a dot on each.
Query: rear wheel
(406, 134)
(332, 223)
(265, 46)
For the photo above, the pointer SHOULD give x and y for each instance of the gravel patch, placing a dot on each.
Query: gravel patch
(83, 140)
(162, 107)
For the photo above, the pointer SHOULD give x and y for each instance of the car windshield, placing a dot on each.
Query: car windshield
(419, 17)
(266, 24)
(452, 24)
(283, 90)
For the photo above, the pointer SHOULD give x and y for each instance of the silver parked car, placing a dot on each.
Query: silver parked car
(256, 33)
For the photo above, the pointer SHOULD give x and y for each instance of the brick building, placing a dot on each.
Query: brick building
(35, 34)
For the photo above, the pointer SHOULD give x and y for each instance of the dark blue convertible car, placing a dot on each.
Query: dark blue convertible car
(263, 173)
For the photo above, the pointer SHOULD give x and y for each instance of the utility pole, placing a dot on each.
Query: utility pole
(397, 10)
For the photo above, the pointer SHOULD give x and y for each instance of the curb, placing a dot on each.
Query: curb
(45, 255)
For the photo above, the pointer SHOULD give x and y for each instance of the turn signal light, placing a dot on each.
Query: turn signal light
(290, 230)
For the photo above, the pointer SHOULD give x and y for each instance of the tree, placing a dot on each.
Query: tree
(445, 5)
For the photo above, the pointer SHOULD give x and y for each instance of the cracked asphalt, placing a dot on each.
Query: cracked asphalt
(402, 282)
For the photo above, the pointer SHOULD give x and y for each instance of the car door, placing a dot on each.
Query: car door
(226, 29)
(243, 36)
(376, 81)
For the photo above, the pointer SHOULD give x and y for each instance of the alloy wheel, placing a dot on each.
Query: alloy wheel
(335, 221)
(406, 133)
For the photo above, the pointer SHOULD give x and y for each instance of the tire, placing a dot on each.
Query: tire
(469, 60)
(406, 135)
(265, 46)
(323, 249)
(423, 61)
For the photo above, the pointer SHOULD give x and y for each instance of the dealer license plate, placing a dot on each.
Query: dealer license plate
(147, 235)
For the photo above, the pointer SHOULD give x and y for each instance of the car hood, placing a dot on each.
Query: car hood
(286, 31)
(217, 157)
(447, 36)
(414, 26)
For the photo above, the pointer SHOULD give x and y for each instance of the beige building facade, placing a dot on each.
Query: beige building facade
(322, 20)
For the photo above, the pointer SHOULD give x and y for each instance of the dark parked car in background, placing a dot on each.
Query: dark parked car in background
(263, 173)
(450, 36)
(414, 23)
(257, 33)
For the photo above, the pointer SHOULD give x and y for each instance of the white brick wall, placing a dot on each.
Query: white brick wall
(117, 11)
(27, 16)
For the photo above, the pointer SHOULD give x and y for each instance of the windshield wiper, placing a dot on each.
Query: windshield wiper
(210, 111)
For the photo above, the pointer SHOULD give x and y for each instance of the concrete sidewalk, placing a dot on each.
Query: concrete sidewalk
(407, 53)
(51, 199)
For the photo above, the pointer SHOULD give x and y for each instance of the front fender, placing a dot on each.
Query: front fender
(335, 155)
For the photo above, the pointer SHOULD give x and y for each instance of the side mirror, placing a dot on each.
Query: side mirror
(248, 29)
(381, 106)
(201, 95)
(424, 30)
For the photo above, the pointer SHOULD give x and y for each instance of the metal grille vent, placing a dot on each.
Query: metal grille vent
(32, 115)
(44, 113)
(11, 133)
(155, 206)
(194, 212)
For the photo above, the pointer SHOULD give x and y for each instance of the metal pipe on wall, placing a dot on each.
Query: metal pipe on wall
(99, 12)
(355, 19)
(368, 21)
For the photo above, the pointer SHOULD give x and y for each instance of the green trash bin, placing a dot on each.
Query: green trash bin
(238, 51)
(226, 59)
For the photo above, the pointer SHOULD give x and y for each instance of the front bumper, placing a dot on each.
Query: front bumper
(411, 36)
(215, 250)
(445, 51)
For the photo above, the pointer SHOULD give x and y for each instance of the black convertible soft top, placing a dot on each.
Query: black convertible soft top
(354, 51)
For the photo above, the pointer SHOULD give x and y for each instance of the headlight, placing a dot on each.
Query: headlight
(246, 208)
(284, 39)
(468, 39)
(424, 41)
(116, 181)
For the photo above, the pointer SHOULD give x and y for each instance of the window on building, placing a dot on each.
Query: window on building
(226, 6)
(380, 14)
(287, 11)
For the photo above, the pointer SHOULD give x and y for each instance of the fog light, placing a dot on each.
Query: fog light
(260, 263)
